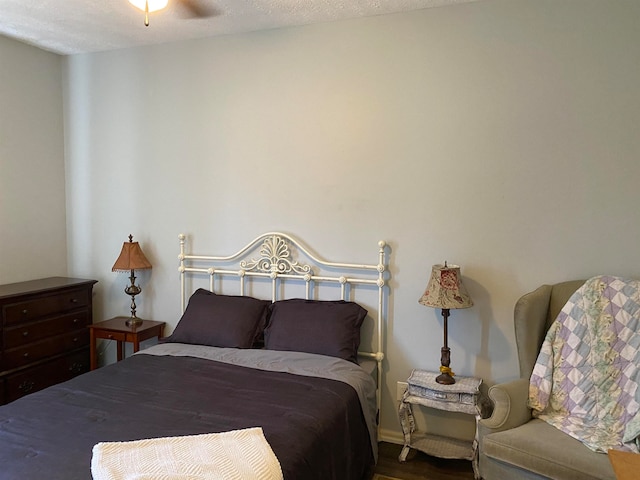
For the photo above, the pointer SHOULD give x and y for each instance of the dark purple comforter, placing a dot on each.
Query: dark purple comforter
(315, 426)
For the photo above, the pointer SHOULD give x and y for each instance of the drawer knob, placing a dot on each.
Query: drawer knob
(76, 367)
(75, 320)
(74, 300)
(110, 337)
(26, 386)
(25, 311)
(26, 355)
(75, 339)
(25, 333)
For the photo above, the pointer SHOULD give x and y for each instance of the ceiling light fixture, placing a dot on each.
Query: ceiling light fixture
(149, 6)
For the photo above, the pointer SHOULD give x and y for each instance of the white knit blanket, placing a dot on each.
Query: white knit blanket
(237, 454)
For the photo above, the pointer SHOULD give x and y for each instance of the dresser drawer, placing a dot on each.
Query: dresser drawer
(36, 308)
(109, 335)
(32, 352)
(46, 374)
(31, 332)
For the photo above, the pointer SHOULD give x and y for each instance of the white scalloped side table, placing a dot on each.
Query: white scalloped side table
(464, 396)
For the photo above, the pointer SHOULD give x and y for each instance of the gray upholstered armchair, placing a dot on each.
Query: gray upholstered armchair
(513, 445)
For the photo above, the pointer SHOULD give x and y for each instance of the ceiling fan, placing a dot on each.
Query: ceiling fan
(191, 8)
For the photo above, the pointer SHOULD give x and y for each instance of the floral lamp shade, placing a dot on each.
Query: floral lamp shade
(445, 289)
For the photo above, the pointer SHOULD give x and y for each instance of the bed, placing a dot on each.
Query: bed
(275, 363)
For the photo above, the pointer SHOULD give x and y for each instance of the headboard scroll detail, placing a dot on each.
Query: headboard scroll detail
(275, 257)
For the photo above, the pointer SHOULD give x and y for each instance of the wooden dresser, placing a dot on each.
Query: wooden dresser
(45, 339)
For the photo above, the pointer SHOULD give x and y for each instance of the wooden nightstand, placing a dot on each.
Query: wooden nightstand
(116, 329)
(464, 396)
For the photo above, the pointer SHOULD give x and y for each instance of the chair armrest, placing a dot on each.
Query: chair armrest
(509, 406)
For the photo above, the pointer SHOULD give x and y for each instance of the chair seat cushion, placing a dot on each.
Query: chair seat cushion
(545, 450)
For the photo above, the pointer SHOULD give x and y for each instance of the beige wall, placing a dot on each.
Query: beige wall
(500, 135)
(32, 192)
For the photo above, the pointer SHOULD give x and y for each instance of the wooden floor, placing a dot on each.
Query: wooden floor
(420, 466)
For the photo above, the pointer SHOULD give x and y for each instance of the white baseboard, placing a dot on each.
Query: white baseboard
(391, 436)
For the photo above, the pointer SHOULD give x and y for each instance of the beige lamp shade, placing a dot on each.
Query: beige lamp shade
(445, 289)
(131, 258)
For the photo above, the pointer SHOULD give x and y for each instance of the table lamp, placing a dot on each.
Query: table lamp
(131, 258)
(445, 291)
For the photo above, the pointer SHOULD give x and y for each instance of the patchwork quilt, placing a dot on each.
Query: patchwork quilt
(585, 380)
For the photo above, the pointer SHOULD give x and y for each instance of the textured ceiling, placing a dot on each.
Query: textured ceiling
(80, 26)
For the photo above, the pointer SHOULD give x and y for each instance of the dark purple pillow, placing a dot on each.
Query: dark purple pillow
(324, 327)
(221, 320)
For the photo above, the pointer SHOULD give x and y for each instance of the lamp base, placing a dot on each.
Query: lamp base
(445, 379)
(133, 322)
(133, 290)
(446, 375)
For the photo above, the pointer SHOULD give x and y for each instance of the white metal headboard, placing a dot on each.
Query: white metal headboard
(278, 262)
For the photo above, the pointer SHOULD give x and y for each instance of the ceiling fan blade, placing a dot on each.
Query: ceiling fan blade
(198, 8)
